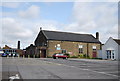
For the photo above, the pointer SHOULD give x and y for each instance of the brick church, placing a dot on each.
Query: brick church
(49, 42)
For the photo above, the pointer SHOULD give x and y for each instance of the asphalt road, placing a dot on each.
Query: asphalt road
(48, 68)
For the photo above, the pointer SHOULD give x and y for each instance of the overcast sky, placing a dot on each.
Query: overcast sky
(22, 20)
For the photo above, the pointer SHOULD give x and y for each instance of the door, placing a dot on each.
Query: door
(111, 54)
(108, 52)
(94, 54)
(43, 53)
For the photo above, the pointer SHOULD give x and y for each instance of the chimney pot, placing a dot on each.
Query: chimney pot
(97, 35)
(40, 28)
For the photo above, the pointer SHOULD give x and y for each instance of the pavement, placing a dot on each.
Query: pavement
(48, 68)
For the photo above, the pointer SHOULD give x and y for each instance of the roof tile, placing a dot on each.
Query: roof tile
(65, 36)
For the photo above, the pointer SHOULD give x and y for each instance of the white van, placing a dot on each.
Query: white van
(1, 52)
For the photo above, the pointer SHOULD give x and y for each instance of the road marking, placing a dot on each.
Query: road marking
(59, 64)
(84, 69)
(105, 73)
(94, 71)
(14, 77)
(52, 63)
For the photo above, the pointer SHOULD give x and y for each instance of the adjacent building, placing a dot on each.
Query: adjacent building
(9, 50)
(30, 50)
(111, 49)
(49, 42)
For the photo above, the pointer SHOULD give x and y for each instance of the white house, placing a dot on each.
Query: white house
(111, 49)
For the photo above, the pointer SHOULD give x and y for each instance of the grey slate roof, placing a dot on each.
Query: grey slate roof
(65, 36)
(117, 41)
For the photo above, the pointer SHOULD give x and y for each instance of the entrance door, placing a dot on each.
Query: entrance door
(110, 54)
(43, 53)
(94, 54)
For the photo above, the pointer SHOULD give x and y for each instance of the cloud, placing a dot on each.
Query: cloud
(86, 18)
(13, 31)
(60, 0)
(10, 4)
(91, 17)
(96, 0)
(46, 25)
(32, 12)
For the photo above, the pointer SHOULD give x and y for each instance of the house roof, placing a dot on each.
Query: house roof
(7, 47)
(31, 46)
(65, 36)
(117, 41)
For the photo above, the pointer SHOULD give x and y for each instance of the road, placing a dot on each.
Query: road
(48, 68)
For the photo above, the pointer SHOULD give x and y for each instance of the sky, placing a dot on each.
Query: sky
(22, 20)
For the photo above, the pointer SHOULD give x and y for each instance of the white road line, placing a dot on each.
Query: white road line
(83, 69)
(94, 71)
(52, 63)
(14, 77)
(105, 73)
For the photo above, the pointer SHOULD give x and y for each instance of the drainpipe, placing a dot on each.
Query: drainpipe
(47, 49)
(87, 50)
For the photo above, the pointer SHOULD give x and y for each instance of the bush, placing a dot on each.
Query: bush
(49, 57)
(83, 56)
(74, 56)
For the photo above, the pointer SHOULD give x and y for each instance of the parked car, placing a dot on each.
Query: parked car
(13, 55)
(4, 55)
(10, 55)
(55, 56)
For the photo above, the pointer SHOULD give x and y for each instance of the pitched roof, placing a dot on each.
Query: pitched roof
(65, 36)
(117, 41)
(7, 47)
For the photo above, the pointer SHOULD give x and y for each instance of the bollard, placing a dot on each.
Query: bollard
(12, 56)
(28, 56)
(23, 56)
(18, 56)
(34, 56)
(7, 56)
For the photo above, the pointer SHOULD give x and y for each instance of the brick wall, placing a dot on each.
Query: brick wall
(71, 47)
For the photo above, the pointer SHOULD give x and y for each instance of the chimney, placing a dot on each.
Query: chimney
(40, 28)
(18, 44)
(97, 35)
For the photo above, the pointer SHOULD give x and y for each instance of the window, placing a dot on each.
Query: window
(108, 54)
(43, 43)
(58, 47)
(63, 51)
(80, 48)
(94, 48)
